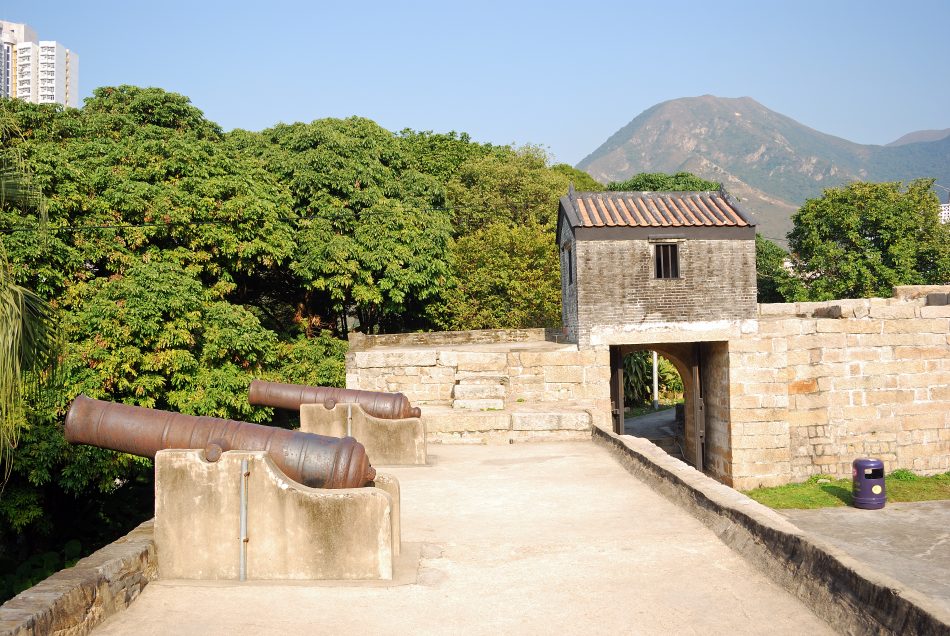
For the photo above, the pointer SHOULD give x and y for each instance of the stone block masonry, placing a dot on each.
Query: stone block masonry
(820, 384)
(488, 386)
(801, 389)
(77, 599)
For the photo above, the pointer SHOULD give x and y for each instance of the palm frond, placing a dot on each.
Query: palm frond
(29, 342)
(18, 190)
(29, 349)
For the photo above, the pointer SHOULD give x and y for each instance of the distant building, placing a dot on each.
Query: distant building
(945, 213)
(37, 71)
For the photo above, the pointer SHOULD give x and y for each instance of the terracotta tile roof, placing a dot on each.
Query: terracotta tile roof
(655, 209)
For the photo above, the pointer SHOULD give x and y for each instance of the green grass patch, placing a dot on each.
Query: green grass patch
(824, 491)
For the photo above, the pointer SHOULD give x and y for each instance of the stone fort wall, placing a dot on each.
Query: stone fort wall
(805, 389)
(820, 384)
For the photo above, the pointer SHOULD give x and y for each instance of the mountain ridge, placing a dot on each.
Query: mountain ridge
(920, 135)
(770, 161)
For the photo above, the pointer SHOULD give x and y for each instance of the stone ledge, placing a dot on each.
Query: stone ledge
(916, 292)
(75, 600)
(362, 342)
(848, 594)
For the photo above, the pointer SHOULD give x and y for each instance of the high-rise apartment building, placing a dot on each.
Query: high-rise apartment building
(38, 71)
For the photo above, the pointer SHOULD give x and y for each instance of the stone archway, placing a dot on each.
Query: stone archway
(684, 358)
(704, 369)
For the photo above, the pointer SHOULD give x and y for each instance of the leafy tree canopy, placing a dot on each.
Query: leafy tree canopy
(372, 232)
(506, 276)
(662, 182)
(860, 240)
(516, 186)
(582, 181)
(774, 279)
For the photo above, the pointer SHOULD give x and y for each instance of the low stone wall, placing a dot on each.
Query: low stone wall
(361, 342)
(485, 380)
(73, 601)
(488, 387)
(851, 596)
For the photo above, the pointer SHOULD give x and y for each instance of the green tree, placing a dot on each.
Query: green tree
(774, 280)
(373, 236)
(154, 337)
(440, 155)
(582, 181)
(317, 361)
(662, 182)
(140, 171)
(514, 186)
(506, 267)
(505, 276)
(638, 378)
(27, 323)
(863, 239)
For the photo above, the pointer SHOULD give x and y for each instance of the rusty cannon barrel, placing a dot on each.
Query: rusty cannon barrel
(313, 460)
(390, 406)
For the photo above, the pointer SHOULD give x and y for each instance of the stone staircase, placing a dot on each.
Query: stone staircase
(480, 393)
(481, 381)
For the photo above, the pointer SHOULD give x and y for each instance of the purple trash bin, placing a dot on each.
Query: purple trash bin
(868, 484)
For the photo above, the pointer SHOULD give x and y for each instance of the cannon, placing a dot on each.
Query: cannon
(390, 406)
(312, 460)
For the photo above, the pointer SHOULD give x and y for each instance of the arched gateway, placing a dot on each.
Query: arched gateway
(673, 272)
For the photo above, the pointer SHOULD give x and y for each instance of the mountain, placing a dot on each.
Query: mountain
(921, 135)
(769, 161)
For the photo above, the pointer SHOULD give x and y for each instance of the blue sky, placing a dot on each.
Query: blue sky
(564, 75)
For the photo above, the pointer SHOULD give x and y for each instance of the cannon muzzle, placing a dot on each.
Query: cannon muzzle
(391, 406)
(313, 460)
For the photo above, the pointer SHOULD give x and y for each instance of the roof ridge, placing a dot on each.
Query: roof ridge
(655, 208)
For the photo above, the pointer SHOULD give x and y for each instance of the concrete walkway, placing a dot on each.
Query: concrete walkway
(908, 541)
(652, 425)
(659, 427)
(552, 538)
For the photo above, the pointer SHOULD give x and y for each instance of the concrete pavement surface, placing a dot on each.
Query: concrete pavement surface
(908, 541)
(652, 425)
(543, 538)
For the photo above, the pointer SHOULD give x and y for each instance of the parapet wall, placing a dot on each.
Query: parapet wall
(77, 599)
(820, 384)
(489, 390)
(430, 375)
(362, 342)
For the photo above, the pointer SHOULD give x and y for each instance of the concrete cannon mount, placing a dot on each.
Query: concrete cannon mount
(387, 441)
(294, 532)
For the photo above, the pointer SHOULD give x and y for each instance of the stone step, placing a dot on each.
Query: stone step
(478, 391)
(480, 377)
(669, 445)
(550, 421)
(479, 405)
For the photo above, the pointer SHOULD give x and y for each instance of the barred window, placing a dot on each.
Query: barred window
(667, 260)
